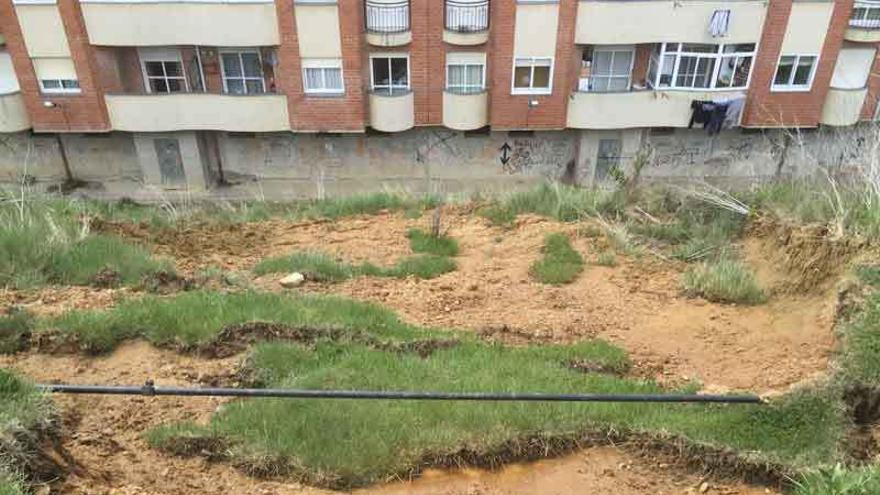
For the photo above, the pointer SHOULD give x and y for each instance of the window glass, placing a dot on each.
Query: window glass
(381, 71)
(541, 77)
(242, 72)
(231, 65)
(803, 71)
(252, 66)
(701, 66)
(390, 75)
(522, 77)
(784, 70)
(399, 76)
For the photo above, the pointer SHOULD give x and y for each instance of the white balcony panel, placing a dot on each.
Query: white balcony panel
(843, 106)
(465, 112)
(191, 112)
(635, 109)
(612, 22)
(392, 113)
(13, 114)
(199, 23)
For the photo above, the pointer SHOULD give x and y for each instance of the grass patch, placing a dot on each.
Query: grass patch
(838, 480)
(860, 361)
(42, 244)
(343, 444)
(869, 274)
(560, 263)
(606, 258)
(440, 245)
(15, 331)
(195, 318)
(564, 203)
(322, 267)
(26, 416)
(725, 281)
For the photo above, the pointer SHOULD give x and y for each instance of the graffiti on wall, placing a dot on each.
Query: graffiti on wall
(531, 155)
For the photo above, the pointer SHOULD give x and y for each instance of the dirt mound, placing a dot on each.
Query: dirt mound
(799, 259)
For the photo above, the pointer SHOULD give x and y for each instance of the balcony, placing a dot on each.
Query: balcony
(387, 22)
(864, 23)
(843, 107)
(467, 22)
(611, 22)
(465, 111)
(632, 109)
(392, 113)
(13, 114)
(206, 22)
(193, 111)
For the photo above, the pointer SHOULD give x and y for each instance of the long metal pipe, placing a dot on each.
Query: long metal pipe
(149, 389)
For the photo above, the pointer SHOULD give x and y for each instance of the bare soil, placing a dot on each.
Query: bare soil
(637, 305)
(104, 437)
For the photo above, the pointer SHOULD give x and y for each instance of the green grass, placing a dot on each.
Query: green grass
(860, 361)
(838, 480)
(560, 263)
(423, 242)
(561, 202)
(724, 280)
(869, 274)
(606, 258)
(194, 318)
(25, 417)
(322, 267)
(15, 330)
(42, 244)
(345, 443)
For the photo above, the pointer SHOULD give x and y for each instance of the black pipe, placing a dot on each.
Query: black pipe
(149, 389)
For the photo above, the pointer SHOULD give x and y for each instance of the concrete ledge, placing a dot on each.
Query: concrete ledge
(392, 113)
(13, 114)
(190, 112)
(843, 107)
(465, 112)
(465, 39)
(862, 35)
(389, 39)
(627, 110)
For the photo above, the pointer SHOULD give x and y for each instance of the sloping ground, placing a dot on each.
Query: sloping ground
(637, 304)
(103, 435)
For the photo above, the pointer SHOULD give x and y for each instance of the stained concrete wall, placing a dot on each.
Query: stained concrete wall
(436, 160)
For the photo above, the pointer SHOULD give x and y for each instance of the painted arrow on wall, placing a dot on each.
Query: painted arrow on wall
(505, 153)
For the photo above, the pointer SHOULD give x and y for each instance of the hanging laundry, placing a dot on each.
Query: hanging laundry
(701, 111)
(719, 23)
(716, 119)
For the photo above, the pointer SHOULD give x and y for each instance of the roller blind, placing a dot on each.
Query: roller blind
(464, 58)
(54, 68)
(8, 81)
(852, 68)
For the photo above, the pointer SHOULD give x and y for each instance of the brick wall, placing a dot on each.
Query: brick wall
(427, 60)
(871, 98)
(311, 113)
(765, 108)
(513, 111)
(81, 112)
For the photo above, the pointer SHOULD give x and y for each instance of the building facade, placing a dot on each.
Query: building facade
(192, 93)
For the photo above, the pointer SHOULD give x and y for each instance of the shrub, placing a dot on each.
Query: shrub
(723, 280)
(15, 331)
(440, 245)
(606, 258)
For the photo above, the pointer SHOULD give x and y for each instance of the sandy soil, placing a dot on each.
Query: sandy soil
(104, 436)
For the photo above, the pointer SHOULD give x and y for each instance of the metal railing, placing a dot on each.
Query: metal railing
(382, 17)
(467, 17)
(865, 15)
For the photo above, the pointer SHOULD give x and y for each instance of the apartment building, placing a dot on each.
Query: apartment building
(191, 93)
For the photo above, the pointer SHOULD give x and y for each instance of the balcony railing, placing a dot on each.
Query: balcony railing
(382, 17)
(467, 17)
(865, 15)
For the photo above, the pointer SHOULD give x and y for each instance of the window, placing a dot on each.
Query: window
(701, 66)
(532, 75)
(390, 74)
(465, 72)
(853, 66)
(323, 76)
(865, 15)
(56, 75)
(242, 72)
(163, 70)
(795, 72)
(611, 69)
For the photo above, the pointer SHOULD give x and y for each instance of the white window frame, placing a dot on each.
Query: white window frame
(612, 50)
(323, 64)
(460, 90)
(391, 89)
(244, 79)
(789, 87)
(718, 56)
(60, 90)
(532, 90)
(144, 56)
(864, 21)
